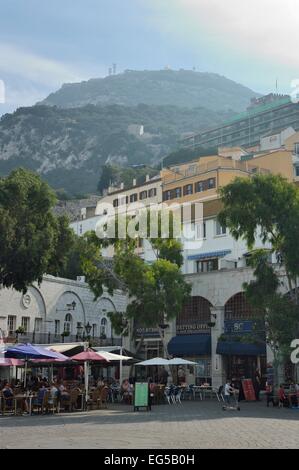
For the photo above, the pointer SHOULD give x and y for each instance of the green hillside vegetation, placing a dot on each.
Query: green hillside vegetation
(69, 147)
(183, 88)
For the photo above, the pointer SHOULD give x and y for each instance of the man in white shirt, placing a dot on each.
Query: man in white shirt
(228, 389)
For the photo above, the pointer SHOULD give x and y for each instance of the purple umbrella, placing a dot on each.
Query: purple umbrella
(30, 351)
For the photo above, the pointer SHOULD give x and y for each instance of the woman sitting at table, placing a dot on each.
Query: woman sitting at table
(8, 393)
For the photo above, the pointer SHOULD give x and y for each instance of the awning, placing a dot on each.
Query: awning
(235, 348)
(211, 254)
(190, 345)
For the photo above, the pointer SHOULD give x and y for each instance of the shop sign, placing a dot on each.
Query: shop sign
(238, 326)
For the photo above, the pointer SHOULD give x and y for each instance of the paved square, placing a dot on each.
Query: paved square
(199, 425)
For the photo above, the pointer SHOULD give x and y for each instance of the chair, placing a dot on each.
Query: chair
(50, 403)
(7, 404)
(74, 396)
(168, 395)
(65, 402)
(177, 395)
(103, 398)
(93, 400)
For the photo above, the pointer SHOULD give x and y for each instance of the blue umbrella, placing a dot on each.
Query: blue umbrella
(29, 351)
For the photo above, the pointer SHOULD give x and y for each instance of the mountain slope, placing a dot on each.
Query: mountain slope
(181, 88)
(70, 146)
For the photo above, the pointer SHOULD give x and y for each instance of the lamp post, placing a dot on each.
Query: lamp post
(125, 325)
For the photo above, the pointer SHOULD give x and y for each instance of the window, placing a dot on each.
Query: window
(199, 187)
(211, 183)
(188, 190)
(11, 324)
(115, 203)
(134, 197)
(38, 325)
(104, 327)
(220, 230)
(81, 229)
(297, 170)
(152, 192)
(166, 195)
(296, 149)
(26, 324)
(123, 200)
(177, 193)
(201, 230)
(143, 195)
(94, 330)
(57, 327)
(68, 323)
(207, 266)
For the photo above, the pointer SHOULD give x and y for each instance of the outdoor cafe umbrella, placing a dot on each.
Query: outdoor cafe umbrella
(87, 357)
(27, 352)
(157, 361)
(6, 362)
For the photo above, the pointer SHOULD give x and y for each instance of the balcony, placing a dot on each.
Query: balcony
(50, 338)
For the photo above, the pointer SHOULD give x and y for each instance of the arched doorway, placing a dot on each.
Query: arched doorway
(243, 343)
(193, 339)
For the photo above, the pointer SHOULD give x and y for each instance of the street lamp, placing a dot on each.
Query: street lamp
(82, 329)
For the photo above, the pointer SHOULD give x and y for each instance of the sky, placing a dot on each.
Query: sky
(44, 44)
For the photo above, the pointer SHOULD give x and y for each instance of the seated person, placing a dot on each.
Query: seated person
(283, 400)
(8, 393)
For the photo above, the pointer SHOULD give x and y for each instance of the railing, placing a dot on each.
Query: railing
(50, 338)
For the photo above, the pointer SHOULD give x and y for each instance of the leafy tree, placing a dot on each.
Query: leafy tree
(156, 291)
(268, 206)
(279, 313)
(32, 240)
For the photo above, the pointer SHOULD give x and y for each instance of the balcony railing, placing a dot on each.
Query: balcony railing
(50, 338)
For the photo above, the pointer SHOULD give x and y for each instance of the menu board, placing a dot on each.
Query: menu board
(141, 396)
(248, 389)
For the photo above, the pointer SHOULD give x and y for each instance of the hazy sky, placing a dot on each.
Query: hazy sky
(46, 43)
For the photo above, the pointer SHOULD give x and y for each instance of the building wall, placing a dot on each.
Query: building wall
(52, 300)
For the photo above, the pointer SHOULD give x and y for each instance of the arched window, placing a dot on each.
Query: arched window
(195, 315)
(238, 308)
(68, 323)
(104, 327)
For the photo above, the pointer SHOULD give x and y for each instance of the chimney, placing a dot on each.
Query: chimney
(122, 186)
(147, 178)
(134, 182)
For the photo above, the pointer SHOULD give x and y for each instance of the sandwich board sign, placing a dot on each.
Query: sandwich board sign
(141, 396)
(248, 390)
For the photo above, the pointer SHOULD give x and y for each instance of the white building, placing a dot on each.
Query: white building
(55, 307)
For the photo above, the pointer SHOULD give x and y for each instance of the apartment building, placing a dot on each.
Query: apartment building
(269, 114)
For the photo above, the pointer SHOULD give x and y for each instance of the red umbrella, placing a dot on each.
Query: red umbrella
(89, 356)
(6, 362)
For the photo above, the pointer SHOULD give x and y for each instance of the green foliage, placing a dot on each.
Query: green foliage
(156, 291)
(33, 241)
(265, 205)
(114, 174)
(185, 88)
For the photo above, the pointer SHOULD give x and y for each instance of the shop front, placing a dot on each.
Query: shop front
(243, 344)
(193, 341)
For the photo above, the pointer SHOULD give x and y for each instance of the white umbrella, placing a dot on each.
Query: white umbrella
(157, 361)
(113, 357)
(181, 362)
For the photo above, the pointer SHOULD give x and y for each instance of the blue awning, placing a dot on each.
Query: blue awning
(235, 348)
(190, 345)
(211, 254)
